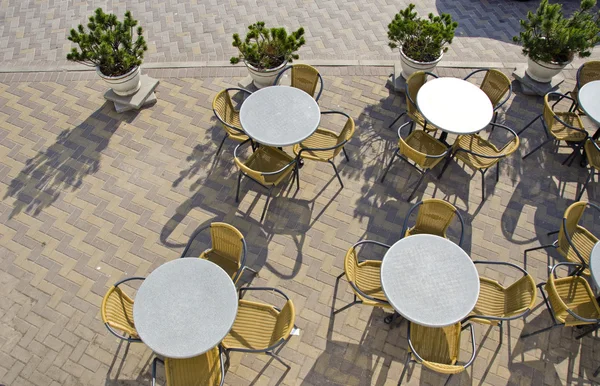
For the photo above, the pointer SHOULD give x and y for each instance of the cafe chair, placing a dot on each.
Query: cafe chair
(587, 72)
(570, 300)
(228, 249)
(559, 125)
(413, 84)
(437, 348)
(267, 166)
(364, 277)
(261, 327)
(324, 145)
(206, 369)
(498, 304)
(592, 153)
(421, 148)
(304, 77)
(496, 86)
(481, 154)
(574, 243)
(433, 217)
(229, 117)
(117, 312)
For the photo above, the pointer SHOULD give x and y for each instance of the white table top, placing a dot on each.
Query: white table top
(455, 105)
(429, 280)
(595, 264)
(589, 100)
(185, 307)
(280, 116)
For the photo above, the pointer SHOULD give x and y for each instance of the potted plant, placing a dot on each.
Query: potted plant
(266, 51)
(108, 45)
(550, 40)
(422, 41)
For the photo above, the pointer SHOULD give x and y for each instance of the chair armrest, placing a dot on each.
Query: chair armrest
(564, 226)
(241, 290)
(473, 347)
(364, 295)
(524, 272)
(320, 88)
(276, 82)
(506, 98)
(475, 72)
(369, 242)
(595, 144)
(577, 273)
(235, 151)
(280, 170)
(192, 238)
(407, 217)
(128, 279)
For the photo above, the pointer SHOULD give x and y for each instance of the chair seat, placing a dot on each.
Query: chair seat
(563, 133)
(321, 138)
(584, 241)
(117, 311)
(253, 326)
(269, 159)
(592, 154)
(419, 119)
(438, 346)
(478, 145)
(202, 370)
(424, 143)
(368, 279)
(228, 265)
(576, 294)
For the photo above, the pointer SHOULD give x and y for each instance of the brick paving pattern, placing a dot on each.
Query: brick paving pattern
(90, 196)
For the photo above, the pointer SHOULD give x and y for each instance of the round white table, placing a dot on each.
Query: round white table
(279, 116)
(455, 105)
(589, 100)
(429, 280)
(595, 264)
(185, 307)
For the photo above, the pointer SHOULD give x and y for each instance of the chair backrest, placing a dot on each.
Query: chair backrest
(226, 113)
(346, 134)
(117, 311)
(548, 112)
(417, 155)
(495, 85)
(413, 84)
(519, 296)
(572, 290)
(305, 78)
(285, 323)
(351, 264)
(434, 217)
(571, 217)
(437, 345)
(588, 72)
(202, 370)
(227, 241)
(261, 157)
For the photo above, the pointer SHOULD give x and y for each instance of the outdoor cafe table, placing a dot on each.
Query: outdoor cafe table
(185, 307)
(279, 116)
(595, 264)
(589, 101)
(429, 280)
(454, 106)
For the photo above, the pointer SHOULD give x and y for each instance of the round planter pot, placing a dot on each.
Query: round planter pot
(123, 85)
(543, 72)
(409, 66)
(264, 78)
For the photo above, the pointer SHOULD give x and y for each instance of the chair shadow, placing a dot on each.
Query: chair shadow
(144, 376)
(64, 165)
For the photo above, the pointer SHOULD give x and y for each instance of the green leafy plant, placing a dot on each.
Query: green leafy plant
(266, 48)
(108, 44)
(548, 36)
(421, 39)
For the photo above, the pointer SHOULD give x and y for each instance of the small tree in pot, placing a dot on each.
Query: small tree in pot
(550, 40)
(422, 41)
(265, 51)
(108, 45)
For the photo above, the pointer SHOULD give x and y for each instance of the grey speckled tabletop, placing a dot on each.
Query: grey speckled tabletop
(185, 307)
(595, 264)
(280, 116)
(429, 280)
(589, 100)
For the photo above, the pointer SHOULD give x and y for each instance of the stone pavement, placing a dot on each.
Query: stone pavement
(90, 196)
(33, 34)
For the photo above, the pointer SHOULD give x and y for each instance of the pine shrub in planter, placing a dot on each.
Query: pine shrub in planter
(108, 44)
(421, 40)
(266, 50)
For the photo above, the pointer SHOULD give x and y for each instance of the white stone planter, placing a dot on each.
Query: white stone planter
(409, 66)
(543, 72)
(264, 78)
(123, 85)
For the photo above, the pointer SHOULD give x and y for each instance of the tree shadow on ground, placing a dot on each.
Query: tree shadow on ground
(113, 373)
(64, 165)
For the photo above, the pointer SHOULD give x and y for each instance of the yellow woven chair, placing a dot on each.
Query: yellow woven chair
(117, 312)
(434, 216)
(421, 148)
(304, 77)
(559, 126)
(267, 166)
(498, 304)
(574, 243)
(324, 145)
(413, 84)
(364, 277)
(496, 86)
(228, 115)
(260, 327)
(570, 300)
(437, 348)
(587, 72)
(481, 154)
(204, 370)
(592, 153)
(228, 249)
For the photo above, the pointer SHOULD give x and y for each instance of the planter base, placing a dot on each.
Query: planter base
(532, 87)
(143, 97)
(247, 84)
(396, 81)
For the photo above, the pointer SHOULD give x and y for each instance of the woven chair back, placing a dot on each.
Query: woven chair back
(572, 215)
(225, 112)
(590, 71)
(203, 370)
(414, 84)
(260, 163)
(305, 78)
(285, 323)
(227, 241)
(519, 296)
(351, 264)
(437, 345)
(417, 156)
(434, 217)
(495, 85)
(117, 311)
(345, 135)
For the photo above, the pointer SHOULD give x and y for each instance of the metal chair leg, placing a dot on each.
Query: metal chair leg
(396, 120)
(220, 146)
(483, 185)
(389, 165)
(538, 148)
(237, 194)
(336, 173)
(448, 380)
(500, 325)
(529, 124)
(406, 362)
(589, 177)
(498, 171)
(266, 204)
(278, 359)
(418, 184)
(597, 371)
(445, 166)
(345, 154)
